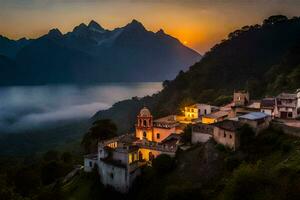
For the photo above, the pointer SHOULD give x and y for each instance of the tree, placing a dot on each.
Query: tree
(101, 130)
(247, 136)
(163, 164)
(66, 157)
(186, 136)
(52, 171)
(51, 156)
(250, 182)
(275, 19)
(27, 181)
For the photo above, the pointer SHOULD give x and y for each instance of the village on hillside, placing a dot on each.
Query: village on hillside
(119, 160)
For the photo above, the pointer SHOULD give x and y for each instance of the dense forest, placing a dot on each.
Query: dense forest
(264, 59)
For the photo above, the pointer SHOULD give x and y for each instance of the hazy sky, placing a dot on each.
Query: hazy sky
(198, 23)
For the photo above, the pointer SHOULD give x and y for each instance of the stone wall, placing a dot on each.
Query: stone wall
(289, 130)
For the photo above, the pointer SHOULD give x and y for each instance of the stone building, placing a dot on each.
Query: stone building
(287, 105)
(119, 160)
(156, 130)
(268, 106)
(226, 133)
(257, 120)
(201, 133)
(165, 126)
(241, 98)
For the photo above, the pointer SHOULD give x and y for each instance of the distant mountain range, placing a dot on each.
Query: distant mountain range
(91, 54)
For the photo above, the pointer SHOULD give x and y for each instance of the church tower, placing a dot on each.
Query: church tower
(144, 125)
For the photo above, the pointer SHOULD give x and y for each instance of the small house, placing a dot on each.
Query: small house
(257, 120)
(201, 132)
(215, 117)
(226, 133)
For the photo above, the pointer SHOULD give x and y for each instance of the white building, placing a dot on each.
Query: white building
(287, 105)
(201, 132)
(197, 110)
(119, 160)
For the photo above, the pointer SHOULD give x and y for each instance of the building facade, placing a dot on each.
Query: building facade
(287, 105)
(226, 133)
(201, 133)
(119, 160)
(196, 111)
(241, 98)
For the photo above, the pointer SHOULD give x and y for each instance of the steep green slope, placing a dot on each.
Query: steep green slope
(263, 59)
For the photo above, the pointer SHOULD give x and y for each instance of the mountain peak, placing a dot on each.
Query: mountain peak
(95, 26)
(161, 32)
(134, 24)
(80, 29)
(55, 33)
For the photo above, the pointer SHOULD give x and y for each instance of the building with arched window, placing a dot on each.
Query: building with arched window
(120, 159)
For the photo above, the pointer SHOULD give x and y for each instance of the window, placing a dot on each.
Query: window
(290, 114)
(145, 123)
(111, 175)
(192, 110)
(224, 134)
(158, 136)
(144, 134)
(205, 112)
(230, 136)
(91, 164)
(151, 156)
(140, 156)
(192, 115)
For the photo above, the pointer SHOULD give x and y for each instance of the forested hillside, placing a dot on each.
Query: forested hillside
(263, 59)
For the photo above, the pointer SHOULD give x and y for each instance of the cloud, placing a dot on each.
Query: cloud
(37, 120)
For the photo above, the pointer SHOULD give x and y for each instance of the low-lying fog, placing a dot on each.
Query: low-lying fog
(30, 107)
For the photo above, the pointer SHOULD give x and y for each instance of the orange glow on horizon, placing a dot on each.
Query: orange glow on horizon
(197, 24)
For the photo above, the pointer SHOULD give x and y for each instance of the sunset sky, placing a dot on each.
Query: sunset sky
(198, 23)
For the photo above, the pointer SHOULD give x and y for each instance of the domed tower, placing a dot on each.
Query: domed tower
(144, 125)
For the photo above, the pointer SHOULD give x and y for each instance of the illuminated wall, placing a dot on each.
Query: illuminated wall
(144, 133)
(147, 152)
(190, 112)
(159, 134)
(208, 120)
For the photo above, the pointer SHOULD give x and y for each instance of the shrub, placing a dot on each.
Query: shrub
(232, 162)
(163, 164)
(249, 182)
(286, 147)
(221, 147)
